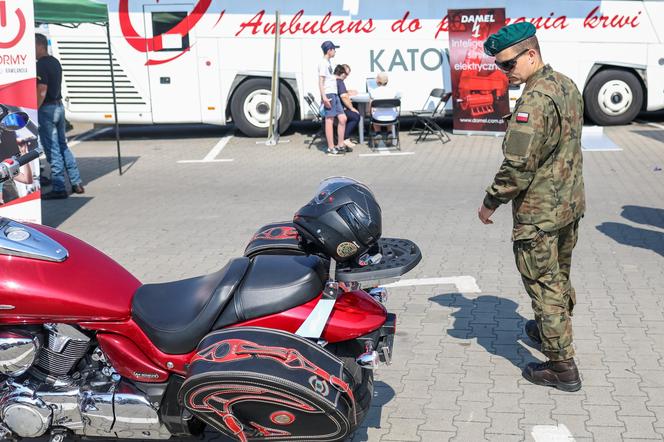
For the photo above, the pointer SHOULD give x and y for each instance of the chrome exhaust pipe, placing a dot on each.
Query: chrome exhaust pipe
(368, 360)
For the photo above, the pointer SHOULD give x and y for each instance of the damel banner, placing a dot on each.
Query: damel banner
(479, 89)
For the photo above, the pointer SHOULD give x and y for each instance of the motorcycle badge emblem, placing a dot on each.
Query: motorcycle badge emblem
(346, 249)
(319, 385)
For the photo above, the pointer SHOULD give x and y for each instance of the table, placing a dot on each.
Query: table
(362, 101)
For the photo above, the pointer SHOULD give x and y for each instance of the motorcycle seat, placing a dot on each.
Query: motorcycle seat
(273, 284)
(176, 315)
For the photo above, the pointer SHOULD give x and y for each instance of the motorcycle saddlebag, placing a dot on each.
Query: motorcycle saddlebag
(261, 384)
(277, 238)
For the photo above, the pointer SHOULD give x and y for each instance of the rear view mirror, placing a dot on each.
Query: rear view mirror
(14, 121)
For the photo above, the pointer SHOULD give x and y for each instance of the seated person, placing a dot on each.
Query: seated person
(352, 114)
(382, 92)
(351, 92)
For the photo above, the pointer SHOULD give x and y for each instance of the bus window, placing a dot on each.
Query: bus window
(162, 22)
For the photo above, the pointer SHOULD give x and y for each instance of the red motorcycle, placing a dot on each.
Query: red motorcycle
(277, 345)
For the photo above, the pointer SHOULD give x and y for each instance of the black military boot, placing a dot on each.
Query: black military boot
(533, 331)
(562, 375)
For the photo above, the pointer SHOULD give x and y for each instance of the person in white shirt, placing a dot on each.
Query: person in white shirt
(327, 84)
(382, 92)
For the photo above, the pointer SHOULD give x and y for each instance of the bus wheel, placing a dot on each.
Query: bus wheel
(613, 97)
(250, 107)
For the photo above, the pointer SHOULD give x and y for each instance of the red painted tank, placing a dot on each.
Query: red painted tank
(87, 286)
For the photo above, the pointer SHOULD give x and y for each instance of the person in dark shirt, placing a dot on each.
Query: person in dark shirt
(352, 114)
(51, 116)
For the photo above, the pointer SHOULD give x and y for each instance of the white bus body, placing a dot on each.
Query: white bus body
(209, 61)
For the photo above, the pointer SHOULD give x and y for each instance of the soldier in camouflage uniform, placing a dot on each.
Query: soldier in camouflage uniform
(542, 176)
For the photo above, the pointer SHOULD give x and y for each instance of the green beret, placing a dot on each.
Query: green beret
(508, 36)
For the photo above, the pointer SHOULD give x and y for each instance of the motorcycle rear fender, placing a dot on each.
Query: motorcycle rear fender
(355, 314)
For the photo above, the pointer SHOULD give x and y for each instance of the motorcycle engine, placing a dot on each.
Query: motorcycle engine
(18, 349)
(66, 346)
(53, 379)
(21, 348)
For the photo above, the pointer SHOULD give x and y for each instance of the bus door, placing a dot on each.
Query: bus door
(656, 56)
(172, 63)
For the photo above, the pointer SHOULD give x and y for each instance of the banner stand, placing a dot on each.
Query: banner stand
(20, 197)
(480, 90)
(275, 106)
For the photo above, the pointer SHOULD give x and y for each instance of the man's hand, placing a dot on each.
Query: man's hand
(327, 103)
(41, 94)
(485, 214)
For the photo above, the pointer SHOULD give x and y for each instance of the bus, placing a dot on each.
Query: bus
(209, 61)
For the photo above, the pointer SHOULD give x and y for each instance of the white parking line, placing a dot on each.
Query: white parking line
(87, 135)
(658, 126)
(385, 154)
(216, 150)
(551, 433)
(464, 284)
(223, 160)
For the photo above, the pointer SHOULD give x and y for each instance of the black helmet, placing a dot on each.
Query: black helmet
(342, 221)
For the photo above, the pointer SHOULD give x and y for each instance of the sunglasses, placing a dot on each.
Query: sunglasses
(508, 65)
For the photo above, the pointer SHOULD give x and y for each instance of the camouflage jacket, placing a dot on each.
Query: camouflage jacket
(542, 170)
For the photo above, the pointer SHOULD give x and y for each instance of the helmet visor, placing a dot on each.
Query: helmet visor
(330, 185)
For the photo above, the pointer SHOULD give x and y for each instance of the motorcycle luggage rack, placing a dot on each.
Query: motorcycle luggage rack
(399, 256)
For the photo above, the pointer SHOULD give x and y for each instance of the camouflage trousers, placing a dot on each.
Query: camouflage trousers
(544, 263)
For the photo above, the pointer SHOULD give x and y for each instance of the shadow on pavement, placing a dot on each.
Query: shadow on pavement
(644, 215)
(56, 212)
(314, 139)
(657, 135)
(493, 321)
(655, 116)
(163, 131)
(93, 168)
(383, 394)
(634, 236)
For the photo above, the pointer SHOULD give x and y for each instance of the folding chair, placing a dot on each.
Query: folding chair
(430, 108)
(392, 103)
(318, 118)
(425, 123)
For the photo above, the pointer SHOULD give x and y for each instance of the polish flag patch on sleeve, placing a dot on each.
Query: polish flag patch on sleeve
(522, 117)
